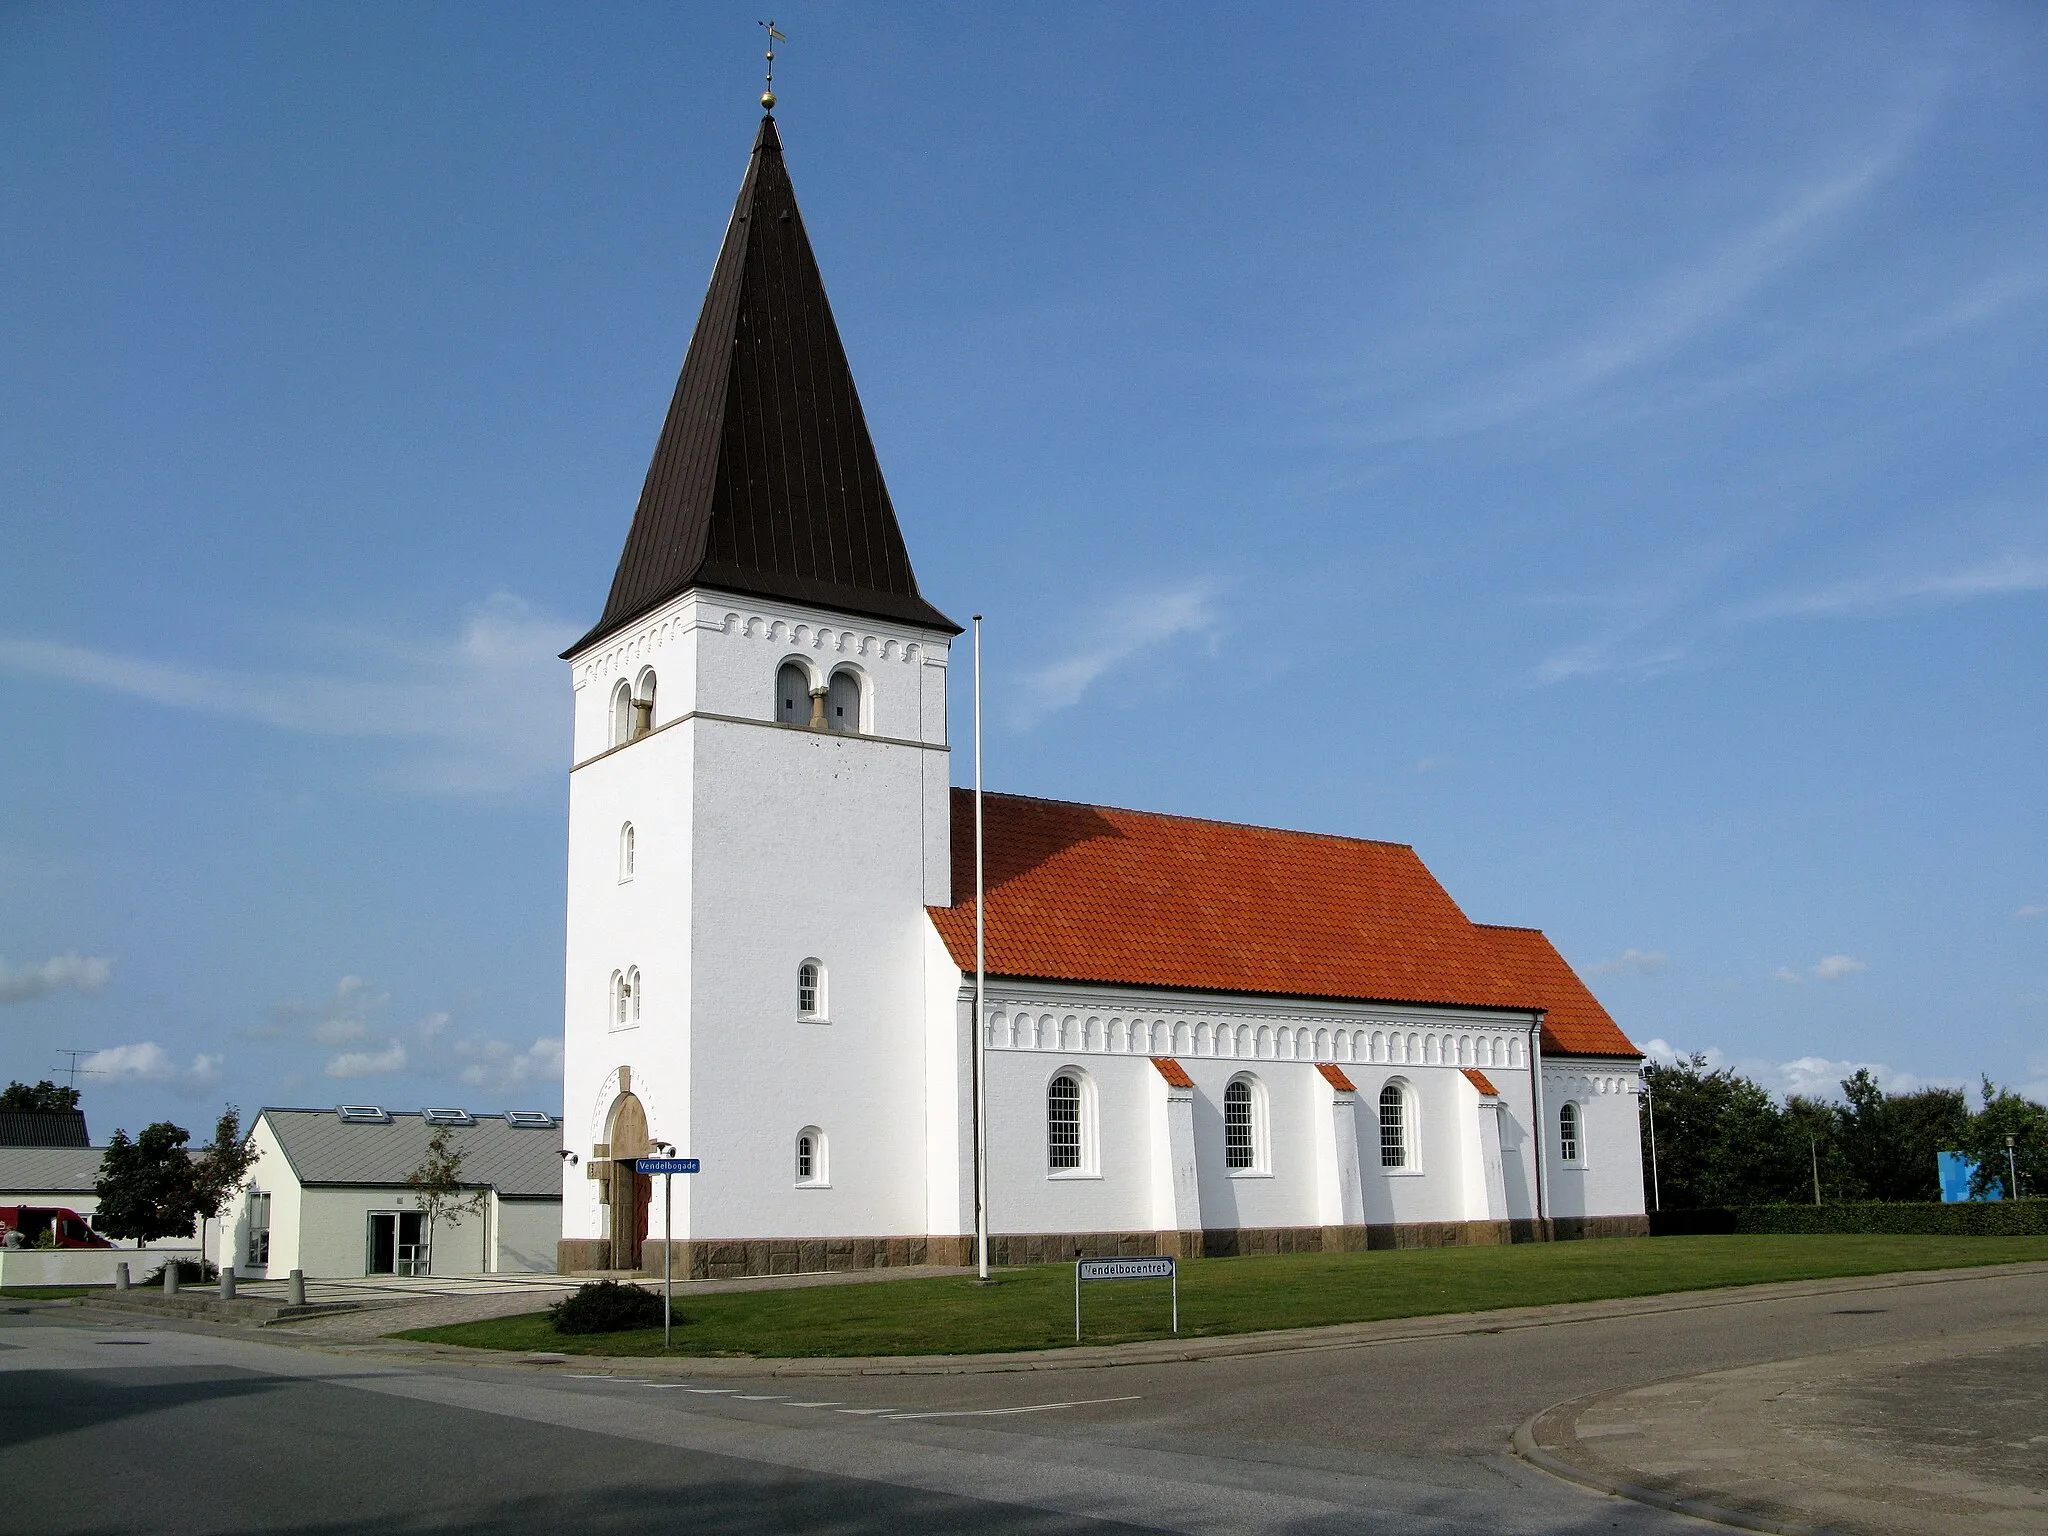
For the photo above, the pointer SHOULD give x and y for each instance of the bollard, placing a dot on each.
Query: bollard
(227, 1282)
(170, 1277)
(295, 1288)
(120, 1277)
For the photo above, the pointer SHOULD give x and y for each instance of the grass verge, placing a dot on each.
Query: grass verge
(1034, 1308)
(48, 1292)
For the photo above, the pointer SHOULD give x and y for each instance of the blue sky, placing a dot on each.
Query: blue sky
(1601, 446)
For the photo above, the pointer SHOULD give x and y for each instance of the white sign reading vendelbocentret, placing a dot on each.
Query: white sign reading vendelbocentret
(1127, 1269)
(1124, 1269)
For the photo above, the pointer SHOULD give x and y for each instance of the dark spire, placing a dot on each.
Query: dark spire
(765, 481)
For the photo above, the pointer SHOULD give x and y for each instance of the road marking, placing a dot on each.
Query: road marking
(748, 1397)
(713, 1391)
(988, 1413)
(813, 1405)
(864, 1410)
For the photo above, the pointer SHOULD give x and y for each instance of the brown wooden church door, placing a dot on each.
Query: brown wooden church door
(631, 1192)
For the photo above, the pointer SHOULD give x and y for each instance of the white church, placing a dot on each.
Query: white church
(1200, 1038)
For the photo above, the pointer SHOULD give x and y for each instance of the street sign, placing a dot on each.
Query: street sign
(1124, 1269)
(667, 1164)
(1127, 1269)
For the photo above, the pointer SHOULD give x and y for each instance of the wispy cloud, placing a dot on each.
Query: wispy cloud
(1131, 626)
(2034, 910)
(77, 973)
(148, 1062)
(2001, 576)
(380, 1063)
(479, 713)
(340, 1020)
(1640, 962)
(495, 1064)
(1827, 968)
(1807, 1076)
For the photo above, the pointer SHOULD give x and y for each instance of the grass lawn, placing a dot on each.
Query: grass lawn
(1034, 1308)
(47, 1292)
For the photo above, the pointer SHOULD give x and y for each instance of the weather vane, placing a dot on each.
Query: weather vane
(774, 37)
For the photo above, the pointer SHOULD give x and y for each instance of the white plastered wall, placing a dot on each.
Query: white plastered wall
(1607, 1177)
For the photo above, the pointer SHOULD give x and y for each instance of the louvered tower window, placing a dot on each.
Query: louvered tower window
(842, 702)
(793, 695)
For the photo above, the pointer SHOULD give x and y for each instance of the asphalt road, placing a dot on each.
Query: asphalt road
(153, 1429)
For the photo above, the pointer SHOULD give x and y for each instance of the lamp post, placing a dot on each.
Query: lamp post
(2012, 1168)
(1656, 1191)
(668, 1246)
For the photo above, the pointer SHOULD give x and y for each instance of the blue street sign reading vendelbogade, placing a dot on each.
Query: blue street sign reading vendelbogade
(666, 1164)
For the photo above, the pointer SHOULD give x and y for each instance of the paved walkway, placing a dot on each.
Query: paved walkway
(1926, 1438)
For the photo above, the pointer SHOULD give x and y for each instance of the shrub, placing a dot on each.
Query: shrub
(190, 1272)
(1974, 1218)
(606, 1306)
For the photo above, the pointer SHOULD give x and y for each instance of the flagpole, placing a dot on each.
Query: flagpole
(980, 993)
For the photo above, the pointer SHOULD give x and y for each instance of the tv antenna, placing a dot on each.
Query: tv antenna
(74, 1069)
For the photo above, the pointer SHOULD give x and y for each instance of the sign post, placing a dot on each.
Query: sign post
(668, 1168)
(1125, 1269)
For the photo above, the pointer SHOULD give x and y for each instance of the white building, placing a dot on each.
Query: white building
(328, 1194)
(1200, 1037)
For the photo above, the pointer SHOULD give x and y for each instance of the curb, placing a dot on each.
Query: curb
(1225, 1346)
(1525, 1446)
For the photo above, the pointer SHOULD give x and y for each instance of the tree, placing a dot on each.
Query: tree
(2008, 1114)
(220, 1170)
(1891, 1140)
(44, 1098)
(145, 1186)
(438, 1188)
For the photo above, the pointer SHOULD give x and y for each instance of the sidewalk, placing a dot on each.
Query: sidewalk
(1938, 1437)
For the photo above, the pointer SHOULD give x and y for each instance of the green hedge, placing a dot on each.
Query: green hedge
(1974, 1218)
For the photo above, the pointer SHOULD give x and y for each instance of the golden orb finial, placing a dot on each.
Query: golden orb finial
(768, 101)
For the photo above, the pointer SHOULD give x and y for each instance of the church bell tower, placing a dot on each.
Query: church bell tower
(758, 810)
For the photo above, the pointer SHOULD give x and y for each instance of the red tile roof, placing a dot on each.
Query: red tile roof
(1175, 1074)
(1094, 894)
(1334, 1076)
(1481, 1081)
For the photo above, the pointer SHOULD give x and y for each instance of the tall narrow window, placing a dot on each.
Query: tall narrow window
(793, 694)
(1063, 1123)
(810, 989)
(643, 704)
(632, 995)
(622, 713)
(1240, 1144)
(1568, 1133)
(810, 1156)
(842, 702)
(259, 1229)
(626, 852)
(618, 1004)
(1393, 1127)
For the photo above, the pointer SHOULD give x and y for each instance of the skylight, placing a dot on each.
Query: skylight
(448, 1117)
(363, 1114)
(530, 1119)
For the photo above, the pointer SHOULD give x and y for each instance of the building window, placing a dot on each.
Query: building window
(810, 990)
(793, 694)
(626, 852)
(810, 1158)
(643, 704)
(842, 702)
(1393, 1127)
(259, 1229)
(625, 1008)
(622, 713)
(1244, 1126)
(1063, 1124)
(1568, 1133)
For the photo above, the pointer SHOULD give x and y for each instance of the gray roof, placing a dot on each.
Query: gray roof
(49, 1170)
(519, 1162)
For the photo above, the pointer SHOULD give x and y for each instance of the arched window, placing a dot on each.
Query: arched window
(632, 996)
(811, 1171)
(626, 852)
(1240, 1143)
(810, 989)
(617, 1014)
(842, 702)
(1063, 1124)
(643, 703)
(1393, 1126)
(622, 713)
(793, 694)
(1568, 1133)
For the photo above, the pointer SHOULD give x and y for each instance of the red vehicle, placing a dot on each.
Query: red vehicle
(39, 1223)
